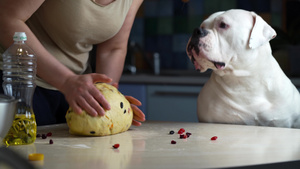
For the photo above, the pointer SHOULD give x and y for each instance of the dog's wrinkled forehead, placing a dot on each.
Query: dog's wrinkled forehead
(248, 24)
(228, 18)
(209, 22)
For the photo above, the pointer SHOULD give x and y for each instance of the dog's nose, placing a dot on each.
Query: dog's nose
(200, 32)
(194, 42)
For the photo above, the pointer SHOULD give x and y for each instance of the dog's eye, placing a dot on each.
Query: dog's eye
(223, 25)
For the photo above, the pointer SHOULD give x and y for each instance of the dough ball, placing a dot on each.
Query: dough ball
(116, 120)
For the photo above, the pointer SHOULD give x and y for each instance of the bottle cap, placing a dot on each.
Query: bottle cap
(20, 36)
(36, 157)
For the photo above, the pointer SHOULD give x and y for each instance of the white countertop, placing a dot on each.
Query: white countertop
(149, 147)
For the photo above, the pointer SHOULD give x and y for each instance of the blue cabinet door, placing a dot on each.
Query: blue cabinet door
(172, 103)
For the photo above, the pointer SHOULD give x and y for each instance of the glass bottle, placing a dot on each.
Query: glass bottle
(19, 73)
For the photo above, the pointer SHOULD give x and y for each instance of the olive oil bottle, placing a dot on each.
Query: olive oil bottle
(19, 73)
(23, 130)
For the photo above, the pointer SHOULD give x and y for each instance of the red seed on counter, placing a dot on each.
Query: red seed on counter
(49, 134)
(214, 138)
(188, 134)
(50, 141)
(44, 136)
(183, 136)
(173, 142)
(115, 146)
(181, 131)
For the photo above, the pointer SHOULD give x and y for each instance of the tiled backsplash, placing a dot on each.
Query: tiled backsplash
(164, 26)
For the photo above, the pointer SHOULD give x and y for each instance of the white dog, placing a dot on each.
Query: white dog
(247, 86)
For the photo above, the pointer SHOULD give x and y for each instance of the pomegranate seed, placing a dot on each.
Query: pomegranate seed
(183, 136)
(38, 135)
(188, 134)
(115, 146)
(50, 141)
(173, 142)
(44, 136)
(171, 132)
(214, 138)
(181, 131)
(49, 134)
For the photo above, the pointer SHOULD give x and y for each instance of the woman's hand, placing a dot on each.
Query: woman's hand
(81, 93)
(138, 115)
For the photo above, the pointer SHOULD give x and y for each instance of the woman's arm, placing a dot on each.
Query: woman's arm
(111, 53)
(111, 56)
(78, 89)
(13, 15)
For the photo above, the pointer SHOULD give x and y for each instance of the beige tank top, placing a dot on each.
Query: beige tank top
(69, 28)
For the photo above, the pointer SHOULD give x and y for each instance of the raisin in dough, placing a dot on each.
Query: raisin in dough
(116, 120)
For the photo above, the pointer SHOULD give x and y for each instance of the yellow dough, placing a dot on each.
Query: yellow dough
(116, 120)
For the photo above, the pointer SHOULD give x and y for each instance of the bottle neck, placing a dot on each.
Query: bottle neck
(19, 42)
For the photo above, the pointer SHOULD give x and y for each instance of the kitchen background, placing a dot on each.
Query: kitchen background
(163, 27)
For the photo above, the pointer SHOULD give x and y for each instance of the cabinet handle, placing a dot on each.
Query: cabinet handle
(166, 93)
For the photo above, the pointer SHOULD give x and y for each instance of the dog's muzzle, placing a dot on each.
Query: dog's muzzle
(194, 42)
(195, 45)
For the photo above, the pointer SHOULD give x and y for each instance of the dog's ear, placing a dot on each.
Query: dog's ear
(261, 32)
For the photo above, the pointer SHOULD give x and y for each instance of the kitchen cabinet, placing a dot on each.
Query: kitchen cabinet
(165, 102)
(170, 97)
(172, 102)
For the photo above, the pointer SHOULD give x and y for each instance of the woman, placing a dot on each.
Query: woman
(62, 33)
